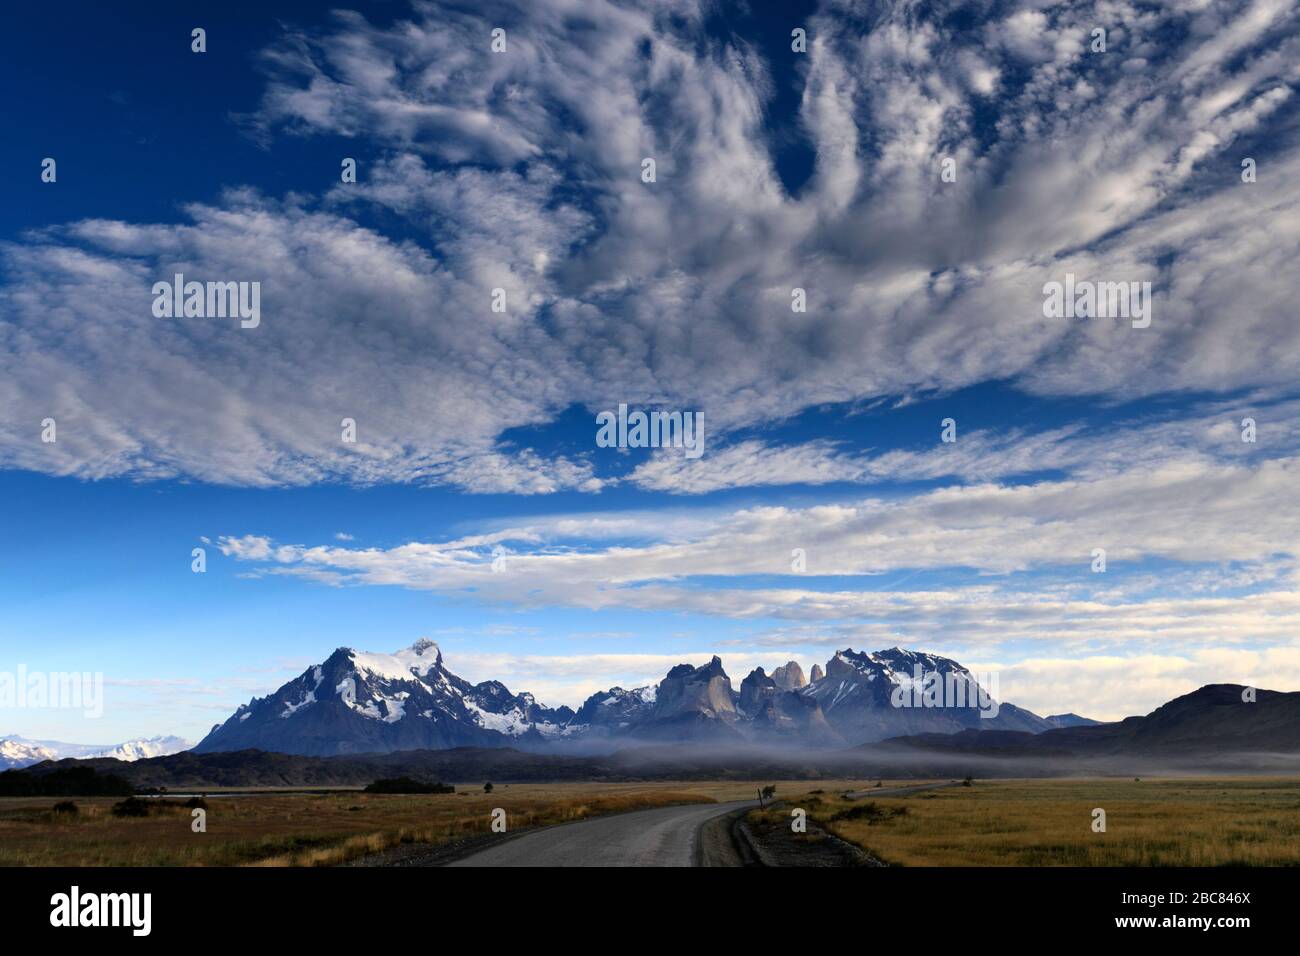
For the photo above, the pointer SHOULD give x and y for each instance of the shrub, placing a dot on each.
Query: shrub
(65, 806)
(871, 812)
(407, 785)
(131, 807)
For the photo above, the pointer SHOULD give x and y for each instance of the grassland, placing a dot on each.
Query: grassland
(1157, 822)
(315, 829)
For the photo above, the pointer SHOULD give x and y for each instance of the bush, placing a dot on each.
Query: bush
(196, 803)
(407, 785)
(65, 806)
(871, 812)
(131, 807)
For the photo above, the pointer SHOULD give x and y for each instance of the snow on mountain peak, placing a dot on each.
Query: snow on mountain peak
(423, 647)
(144, 747)
(17, 752)
(409, 663)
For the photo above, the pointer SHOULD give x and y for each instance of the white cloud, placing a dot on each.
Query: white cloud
(521, 171)
(1226, 534)
(1102, 686)
(572, 678)
(1198, 435)
(1112, 687)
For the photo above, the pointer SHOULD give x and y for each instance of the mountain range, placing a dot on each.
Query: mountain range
(358, 702)
(18, 752)
(1213, 730)
(1217, 717)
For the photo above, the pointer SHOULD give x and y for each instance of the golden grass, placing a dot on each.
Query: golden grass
(319, 829)
(1202, 822)
(296, 829)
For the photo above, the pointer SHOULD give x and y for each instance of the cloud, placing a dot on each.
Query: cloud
(1198, 435)
(1112, 687)
(572, 678)
(1103, 686)
(1199, 554)
(521, 171)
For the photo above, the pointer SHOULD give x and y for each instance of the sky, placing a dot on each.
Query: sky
(920, 171)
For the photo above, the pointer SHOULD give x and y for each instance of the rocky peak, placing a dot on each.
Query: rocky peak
(704, 690)
(712, 669)
(755, 690)
(426, 648)
(846, 663)
(789, 676)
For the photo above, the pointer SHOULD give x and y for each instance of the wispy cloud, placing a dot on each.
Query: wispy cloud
(521, 172)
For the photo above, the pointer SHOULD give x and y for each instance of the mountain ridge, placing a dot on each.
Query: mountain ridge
(1251, 738)
(362, 702)
(17, 751)
(1214, 717)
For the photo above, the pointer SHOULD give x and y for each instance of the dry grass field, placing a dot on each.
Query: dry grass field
(1204, 822)
(318, 829)
(1156, 822)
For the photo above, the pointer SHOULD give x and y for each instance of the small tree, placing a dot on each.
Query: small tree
(769, 791)
(487, 787)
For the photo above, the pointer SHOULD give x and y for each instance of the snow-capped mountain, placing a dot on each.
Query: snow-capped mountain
(17, 752)
(860, 695)
(613, 711)
(144, 747)
(495, 708)
(858, 698)
(358, 702)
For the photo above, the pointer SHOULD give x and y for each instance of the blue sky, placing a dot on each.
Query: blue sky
(522, 170)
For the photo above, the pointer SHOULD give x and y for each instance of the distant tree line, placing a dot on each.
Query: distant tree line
(408, 785)
(65, 782)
